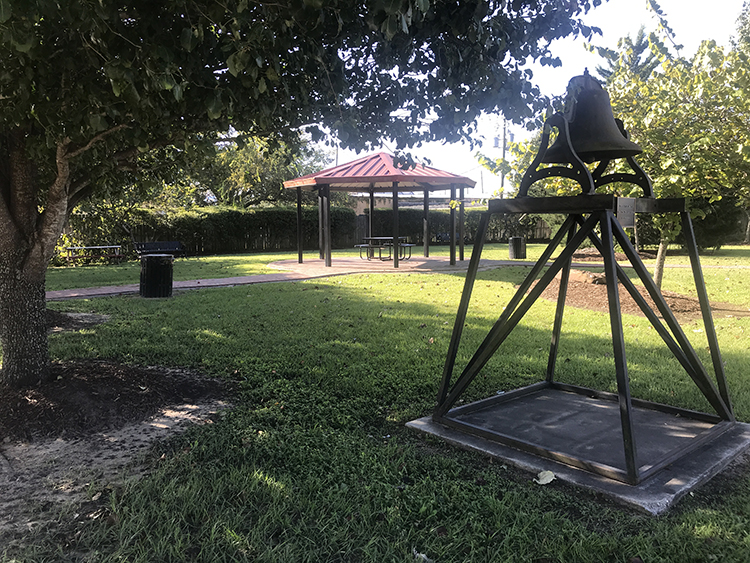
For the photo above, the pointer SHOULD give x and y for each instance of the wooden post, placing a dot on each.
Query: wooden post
(327, 224)
(461, 228)
(372, 210)
(452, 233)
(395, 225)
(321, 240)
(426, 224)
(299, 225)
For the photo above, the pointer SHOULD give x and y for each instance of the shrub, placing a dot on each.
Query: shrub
(215, 230)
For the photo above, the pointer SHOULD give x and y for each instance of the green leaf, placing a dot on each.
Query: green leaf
(390, 27)
(167, 81)
(188, 40)
(5, 10)
(236, 63)
(25, 46)
(97, 122)
(214, 106)
(177, 92)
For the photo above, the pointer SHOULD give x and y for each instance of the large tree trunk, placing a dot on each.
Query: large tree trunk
(23, 327)
(31, 220)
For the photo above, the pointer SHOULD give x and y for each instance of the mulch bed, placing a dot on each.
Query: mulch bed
(594, 297)
(89, 396)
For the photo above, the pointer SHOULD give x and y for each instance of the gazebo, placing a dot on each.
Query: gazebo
(377, 173)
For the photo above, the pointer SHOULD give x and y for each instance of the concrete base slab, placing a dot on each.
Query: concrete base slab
(655, 495)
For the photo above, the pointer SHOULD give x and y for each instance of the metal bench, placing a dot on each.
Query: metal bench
(367, 251)
(405, 250)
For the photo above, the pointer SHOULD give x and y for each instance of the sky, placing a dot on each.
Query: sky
(691, 20)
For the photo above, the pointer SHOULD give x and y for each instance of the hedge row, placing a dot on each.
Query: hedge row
(227, 231)
(213, 230)
(222, 230)
(501, 227)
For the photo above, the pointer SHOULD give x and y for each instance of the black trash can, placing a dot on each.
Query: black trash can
(517, 248)
(156, 275)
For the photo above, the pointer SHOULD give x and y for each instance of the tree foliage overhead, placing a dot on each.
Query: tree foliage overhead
(742, 40)
(252, 173)
(88, 86)
(368, 69)
(641, 55)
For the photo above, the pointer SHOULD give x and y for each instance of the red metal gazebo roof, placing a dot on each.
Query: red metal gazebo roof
(378, 173)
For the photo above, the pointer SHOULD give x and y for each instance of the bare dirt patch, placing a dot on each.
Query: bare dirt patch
(58, 322)
(66, 444)
(586, 291)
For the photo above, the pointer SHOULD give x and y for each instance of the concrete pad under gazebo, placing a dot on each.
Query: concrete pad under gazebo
(377, 173)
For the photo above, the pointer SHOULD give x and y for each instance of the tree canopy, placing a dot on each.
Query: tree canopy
(90, 87)
(640, 55)
(407, 70)
(253, 173)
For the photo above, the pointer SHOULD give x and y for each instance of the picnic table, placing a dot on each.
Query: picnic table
(111, 251)
(381, 245)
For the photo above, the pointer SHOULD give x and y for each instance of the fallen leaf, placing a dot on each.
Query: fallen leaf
(544, 478)
(420, 556)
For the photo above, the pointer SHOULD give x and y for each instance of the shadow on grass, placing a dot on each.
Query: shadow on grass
(372, 336)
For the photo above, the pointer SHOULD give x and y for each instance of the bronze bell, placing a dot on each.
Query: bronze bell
(594, 133)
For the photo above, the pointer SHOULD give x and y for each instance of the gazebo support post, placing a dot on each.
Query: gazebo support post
(372, 210)
(453, 225)
(327, 224)
(299, 225)
(461, 228)
(321, 241)
(426, 224)
(396, 248)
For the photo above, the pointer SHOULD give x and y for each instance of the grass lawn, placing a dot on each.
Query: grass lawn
(314, 464)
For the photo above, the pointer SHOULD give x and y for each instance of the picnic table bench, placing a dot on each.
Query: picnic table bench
(379, 244)
(173, 247)
(109, 251)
